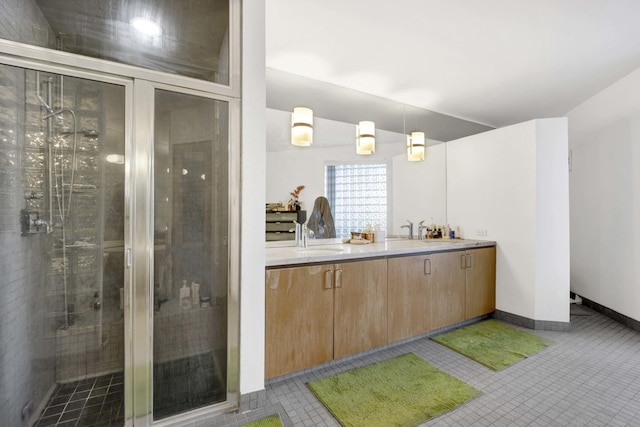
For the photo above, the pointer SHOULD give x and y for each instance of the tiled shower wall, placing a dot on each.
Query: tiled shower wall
(27, 357)
(92, 344)
(26, 344)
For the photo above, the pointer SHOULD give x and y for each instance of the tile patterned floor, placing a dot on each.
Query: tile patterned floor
(92, 402)
(185, 384)
(589, 377)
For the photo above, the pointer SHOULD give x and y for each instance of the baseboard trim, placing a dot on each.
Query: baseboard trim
(540, 325)
(612, 314)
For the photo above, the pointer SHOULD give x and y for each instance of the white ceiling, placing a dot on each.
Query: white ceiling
(495, 62)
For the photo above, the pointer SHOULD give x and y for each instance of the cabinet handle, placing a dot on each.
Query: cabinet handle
(468, 264)
(338, 278)
(463, 261)
(427, 266)
(328, 279)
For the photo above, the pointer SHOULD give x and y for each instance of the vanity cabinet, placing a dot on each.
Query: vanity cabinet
(448, 285)
(360, 306)
(480, 274)
(320, 312)
(428, 292)
(409, 296)
(281, 226)
(464, 285)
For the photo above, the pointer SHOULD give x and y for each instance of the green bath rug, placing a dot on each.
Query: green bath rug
(270, 421)
(404, 391)
(493, 343)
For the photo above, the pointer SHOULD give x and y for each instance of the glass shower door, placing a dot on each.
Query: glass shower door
(191, 256)
(62, 183)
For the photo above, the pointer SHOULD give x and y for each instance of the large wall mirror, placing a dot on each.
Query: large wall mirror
(415, 191)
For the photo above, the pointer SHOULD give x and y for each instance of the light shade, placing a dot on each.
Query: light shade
(366, 138)
(415, 146)
(302, 127)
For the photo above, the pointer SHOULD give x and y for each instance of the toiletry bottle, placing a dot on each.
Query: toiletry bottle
(185, 296)
(195, 293)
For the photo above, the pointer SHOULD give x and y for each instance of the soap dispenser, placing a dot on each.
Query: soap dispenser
(185, 296)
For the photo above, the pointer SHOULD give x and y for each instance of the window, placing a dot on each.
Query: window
(357, 194)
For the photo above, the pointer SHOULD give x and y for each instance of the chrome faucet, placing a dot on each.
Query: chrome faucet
(421, 227)
(302, 234)
(410, 227)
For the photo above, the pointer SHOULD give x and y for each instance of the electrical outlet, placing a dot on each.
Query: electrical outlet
(481, 232)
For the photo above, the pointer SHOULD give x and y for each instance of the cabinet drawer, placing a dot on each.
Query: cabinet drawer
(287, 227)
(281, 216)
(276, 235)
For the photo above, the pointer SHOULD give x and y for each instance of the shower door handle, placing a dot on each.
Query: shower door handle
(127, 257)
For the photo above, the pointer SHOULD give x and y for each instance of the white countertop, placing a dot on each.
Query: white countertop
(333, 250)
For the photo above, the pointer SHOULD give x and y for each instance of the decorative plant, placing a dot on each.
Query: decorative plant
(295, 194)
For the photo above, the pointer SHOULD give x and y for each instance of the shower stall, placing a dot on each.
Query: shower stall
(75, 314)
(119, 159)
(81, 173)
(62, 234)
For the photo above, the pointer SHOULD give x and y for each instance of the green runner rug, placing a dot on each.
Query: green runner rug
(493, 343)
(270, 421)
(403, 391)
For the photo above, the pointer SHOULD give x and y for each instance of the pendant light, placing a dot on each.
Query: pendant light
(365, 138)
(302, 127)
(415, 146)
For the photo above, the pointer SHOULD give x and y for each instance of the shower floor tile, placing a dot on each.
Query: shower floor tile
(93, 402)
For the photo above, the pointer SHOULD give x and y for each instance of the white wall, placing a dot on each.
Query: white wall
(252, 198)
(552, 221)
(604, 138)
(498, 183)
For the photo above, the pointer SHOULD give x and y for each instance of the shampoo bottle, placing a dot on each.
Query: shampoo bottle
(185, 296)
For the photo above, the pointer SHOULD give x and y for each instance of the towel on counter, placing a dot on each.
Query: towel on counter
(321, 219)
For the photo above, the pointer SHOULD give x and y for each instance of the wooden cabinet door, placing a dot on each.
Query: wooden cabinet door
(481, 282)
(360, 306)
(409, 296)
(299, 318)
(447, 283)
